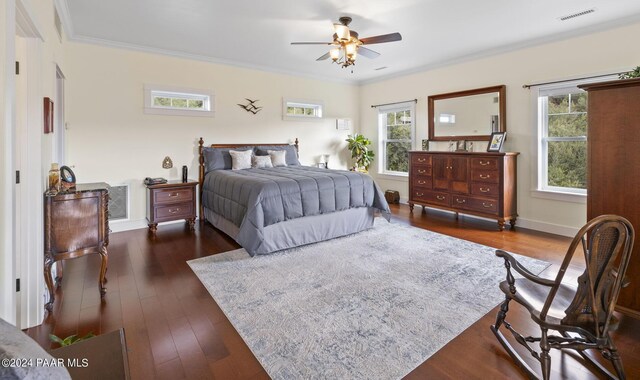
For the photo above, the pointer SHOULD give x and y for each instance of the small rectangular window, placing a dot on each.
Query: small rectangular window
(164, 100)
(301, 109)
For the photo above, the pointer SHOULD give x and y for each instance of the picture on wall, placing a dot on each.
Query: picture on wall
(48, 115)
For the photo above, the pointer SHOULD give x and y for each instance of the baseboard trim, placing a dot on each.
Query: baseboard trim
(129, 225)
(551, 228)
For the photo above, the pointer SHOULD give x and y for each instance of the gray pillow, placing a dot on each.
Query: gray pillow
(291, 157)
(219, 158)
(16, 345)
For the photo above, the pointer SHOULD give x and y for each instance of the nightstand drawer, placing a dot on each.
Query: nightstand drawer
(164, 196)
(174, 211)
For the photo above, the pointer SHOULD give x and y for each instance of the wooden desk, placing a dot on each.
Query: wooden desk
(97, 358)
(75, 224)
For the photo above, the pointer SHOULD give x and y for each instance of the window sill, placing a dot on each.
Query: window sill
(559, 196)
(393, 176)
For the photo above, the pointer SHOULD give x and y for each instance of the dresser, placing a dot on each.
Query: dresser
(481, 184)
(613, 164)
(170, 201)
(75, 224)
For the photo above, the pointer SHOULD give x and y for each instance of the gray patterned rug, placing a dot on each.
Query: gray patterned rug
(374, 305)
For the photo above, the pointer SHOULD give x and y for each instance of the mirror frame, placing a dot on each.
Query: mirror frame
(502, 112)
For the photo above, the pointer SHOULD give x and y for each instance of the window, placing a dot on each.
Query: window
(396, 124)
(301, 109)
(177, 101)
(562, 125)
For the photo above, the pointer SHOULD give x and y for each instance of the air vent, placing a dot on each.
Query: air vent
(381, 68)
(119, 202)
(569, 17)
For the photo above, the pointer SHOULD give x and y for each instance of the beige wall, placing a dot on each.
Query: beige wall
(597, 53)
(110, 138)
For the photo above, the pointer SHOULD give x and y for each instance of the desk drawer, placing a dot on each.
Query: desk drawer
(485, 189)
(164, 196)
(420, 159)
(487, 176)
(484, 163)
(423, 195)
(422, 181)
(488, 206)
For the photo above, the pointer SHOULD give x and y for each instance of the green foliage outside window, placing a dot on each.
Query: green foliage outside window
(567, 160)
(398, 141)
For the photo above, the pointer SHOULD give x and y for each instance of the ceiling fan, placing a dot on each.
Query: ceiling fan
(347, 45)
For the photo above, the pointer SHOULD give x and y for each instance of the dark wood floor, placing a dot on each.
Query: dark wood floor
(175, 330)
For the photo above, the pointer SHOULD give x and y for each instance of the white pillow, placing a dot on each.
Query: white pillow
(261, 162)
(240, 159)
(278, 157)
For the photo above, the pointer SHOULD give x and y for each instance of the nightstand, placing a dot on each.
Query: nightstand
(169, 201)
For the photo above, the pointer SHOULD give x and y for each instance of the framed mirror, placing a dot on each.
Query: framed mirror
(467, 115)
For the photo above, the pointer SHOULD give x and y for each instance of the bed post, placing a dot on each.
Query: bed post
(201, 178)
(297, 147)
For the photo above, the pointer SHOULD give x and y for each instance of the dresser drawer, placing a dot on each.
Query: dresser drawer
(424, 195)
(489, 206)
(422, 181)
(488, 176)
(164, 196)
(485, 189)
(484, 163)
(420, 159)
(174, 211)
(421, 170)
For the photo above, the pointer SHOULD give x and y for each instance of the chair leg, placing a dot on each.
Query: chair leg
(502, 314)
(545, 358)
(616, 360)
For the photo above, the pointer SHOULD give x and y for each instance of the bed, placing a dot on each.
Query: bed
(274, 208)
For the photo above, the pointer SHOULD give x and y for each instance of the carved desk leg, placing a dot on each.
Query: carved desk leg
(153, 227)
(103, 271)
(501, 225)
(48, 262)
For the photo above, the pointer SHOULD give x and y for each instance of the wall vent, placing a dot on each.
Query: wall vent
(569, 17)
(381, 68)
(119, 202)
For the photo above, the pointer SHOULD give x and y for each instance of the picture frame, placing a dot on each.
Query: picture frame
(67, 177)
(425, 145)
(469, 146)
(461, 146)
(496, 141)
(48, 115)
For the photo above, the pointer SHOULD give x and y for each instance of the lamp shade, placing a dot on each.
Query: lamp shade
(334, 53)
(342, 31)
(351, 49)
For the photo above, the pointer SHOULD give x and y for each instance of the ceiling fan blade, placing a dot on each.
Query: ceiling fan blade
(325, 56)
(381, 39)
(312, 43)
(368, 52)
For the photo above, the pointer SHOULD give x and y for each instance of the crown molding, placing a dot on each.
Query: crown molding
(65, 16)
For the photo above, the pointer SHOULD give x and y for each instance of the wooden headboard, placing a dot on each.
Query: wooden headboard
(201, 163)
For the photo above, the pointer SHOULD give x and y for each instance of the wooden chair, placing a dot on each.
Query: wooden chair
(581, 314)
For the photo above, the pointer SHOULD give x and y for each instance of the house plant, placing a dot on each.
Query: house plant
(360, 152)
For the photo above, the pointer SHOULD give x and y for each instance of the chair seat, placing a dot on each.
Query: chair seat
(533, 296)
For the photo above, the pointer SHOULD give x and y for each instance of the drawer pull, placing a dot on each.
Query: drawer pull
(461, 200)
(419, 194)
(174, 211)
(421, 182)
(421, 171)
(484, 163)
(440, 197)
(421, 159)
(485, 176)
(487, 205)
(173, 195)
(483, 190)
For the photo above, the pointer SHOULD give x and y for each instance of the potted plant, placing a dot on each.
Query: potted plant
(635, 73)
(360, 152)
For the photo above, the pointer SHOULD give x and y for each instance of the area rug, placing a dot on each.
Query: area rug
(373, 305)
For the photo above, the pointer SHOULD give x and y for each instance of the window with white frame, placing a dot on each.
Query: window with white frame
(293, 109)
(396, 135)
(165, 100)
(562, 139)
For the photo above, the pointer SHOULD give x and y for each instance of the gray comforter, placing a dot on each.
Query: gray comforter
(253, 199)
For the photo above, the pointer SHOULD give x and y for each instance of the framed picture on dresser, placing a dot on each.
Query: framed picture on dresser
(496, 141)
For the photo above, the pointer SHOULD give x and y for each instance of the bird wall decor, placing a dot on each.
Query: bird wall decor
(251, 106)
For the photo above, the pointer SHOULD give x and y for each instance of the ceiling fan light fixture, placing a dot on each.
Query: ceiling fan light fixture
(335, 54)
(351, 49)
(342, 32)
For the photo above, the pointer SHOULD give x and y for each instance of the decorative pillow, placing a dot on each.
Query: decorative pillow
(240, 159)
(261, 162)
(278, 157)
(291, 156)
(219, 158)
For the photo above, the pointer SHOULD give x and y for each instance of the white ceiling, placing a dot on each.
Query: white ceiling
(258, 33)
